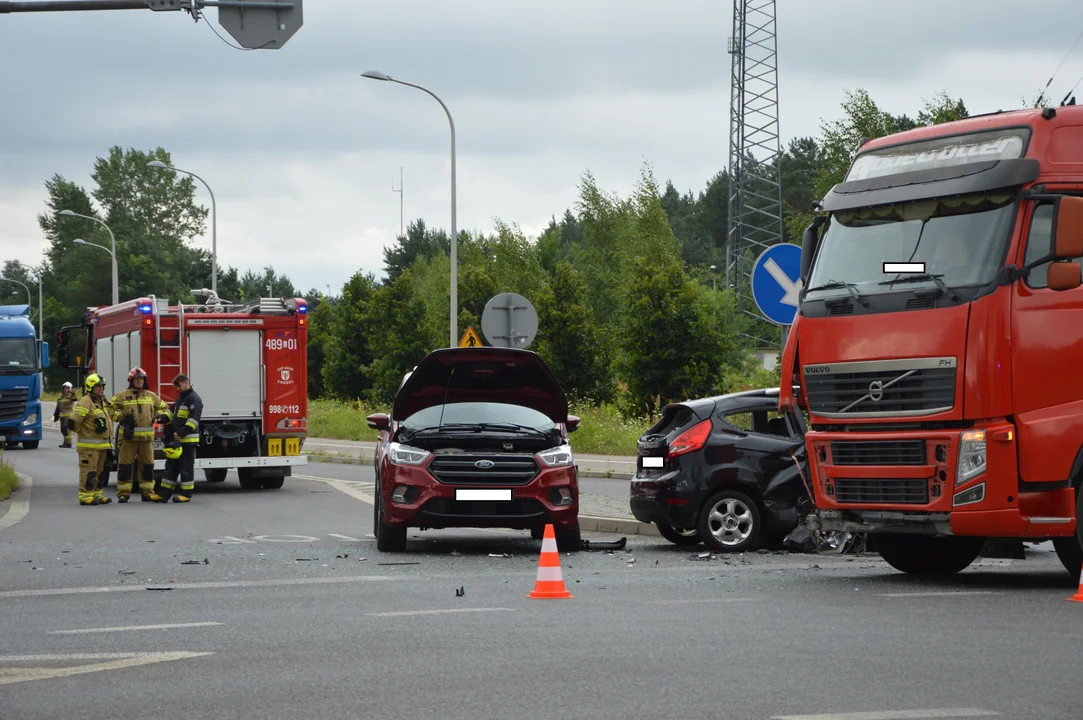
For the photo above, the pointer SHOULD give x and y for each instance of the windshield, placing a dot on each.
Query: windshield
(17, 355)
(478, 412)
(961, 241)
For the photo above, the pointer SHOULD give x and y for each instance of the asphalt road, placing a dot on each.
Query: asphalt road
(288, 611)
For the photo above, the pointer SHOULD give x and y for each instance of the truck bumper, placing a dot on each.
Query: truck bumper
(247, 462)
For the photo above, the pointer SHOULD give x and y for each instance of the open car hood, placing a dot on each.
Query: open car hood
(482, 374)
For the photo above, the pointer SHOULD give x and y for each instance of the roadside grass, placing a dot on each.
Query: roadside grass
(9, 481)
(602, 430)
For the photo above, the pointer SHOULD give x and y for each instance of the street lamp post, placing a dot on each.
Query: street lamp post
(374, 75)
(214, 218)
(112, 253)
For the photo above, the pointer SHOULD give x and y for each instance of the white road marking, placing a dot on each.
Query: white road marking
(230, 540)
(196, 586)
(132, 627)
(710, 600)
(20, 502)
(350, 489)
(895, 715)
(115, 661)
(434, 612)
(276, 538)
(345, 537)
(944, 593)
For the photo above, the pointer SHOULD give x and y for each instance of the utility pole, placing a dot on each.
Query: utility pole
(399, 191)
(254, 24)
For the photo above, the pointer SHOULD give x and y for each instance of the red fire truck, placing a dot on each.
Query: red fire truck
(937, 348)
(247, 361)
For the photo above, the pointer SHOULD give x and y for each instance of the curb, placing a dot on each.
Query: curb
(621, 526)
(350, 460)
(19, 502)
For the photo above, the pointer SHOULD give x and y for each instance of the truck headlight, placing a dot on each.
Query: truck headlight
(406, 455)
(971, 456)
(557, 457)
(31, 419)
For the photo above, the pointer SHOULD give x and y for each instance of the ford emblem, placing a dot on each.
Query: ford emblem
(484, 464)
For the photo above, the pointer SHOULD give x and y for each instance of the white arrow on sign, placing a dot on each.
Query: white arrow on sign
(790, 287)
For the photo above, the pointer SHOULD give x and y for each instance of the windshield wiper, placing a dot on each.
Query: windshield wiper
(5, 370)
(850, 287)
(921, 277)
(479, 427)
(514, 426)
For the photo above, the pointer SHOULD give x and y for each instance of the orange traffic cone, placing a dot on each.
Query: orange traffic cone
(1078, 597)
(550, 583)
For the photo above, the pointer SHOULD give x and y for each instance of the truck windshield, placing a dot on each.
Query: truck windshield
(961, 241)
(17, 355)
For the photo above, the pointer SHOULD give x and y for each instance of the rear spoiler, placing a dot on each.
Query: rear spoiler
(789, 395)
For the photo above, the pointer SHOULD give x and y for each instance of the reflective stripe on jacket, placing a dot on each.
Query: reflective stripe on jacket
(66, 403)
(186, 414)
(144, 405)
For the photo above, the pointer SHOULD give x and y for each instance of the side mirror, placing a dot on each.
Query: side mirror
(572, 423)
(1068, 228)
(379, 421)
(809, 239)
(1063, 276)
(62, 349)
(44, 355)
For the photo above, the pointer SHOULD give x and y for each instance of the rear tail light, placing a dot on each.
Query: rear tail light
(691, 439)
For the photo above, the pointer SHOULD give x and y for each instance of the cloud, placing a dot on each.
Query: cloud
(301, 151)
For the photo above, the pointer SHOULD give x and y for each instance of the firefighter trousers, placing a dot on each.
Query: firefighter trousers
(64, 429)
(91, 472)
(136, 460)
(182, 472)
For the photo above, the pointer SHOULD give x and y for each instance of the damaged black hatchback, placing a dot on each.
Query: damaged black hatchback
(721, 471)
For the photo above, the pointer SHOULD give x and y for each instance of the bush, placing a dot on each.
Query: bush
(9, 481)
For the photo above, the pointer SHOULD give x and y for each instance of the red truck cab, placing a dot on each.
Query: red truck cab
(939, 339)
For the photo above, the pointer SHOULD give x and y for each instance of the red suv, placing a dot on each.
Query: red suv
(477, 437)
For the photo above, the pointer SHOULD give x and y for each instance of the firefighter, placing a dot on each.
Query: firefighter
(63, 410)
(181, 442)
(135, 410)
(90, 421)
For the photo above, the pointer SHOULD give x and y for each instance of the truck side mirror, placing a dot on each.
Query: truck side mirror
(379, 421)
(1067, 244)
(44, 349)
(809, 239)
(62, 349)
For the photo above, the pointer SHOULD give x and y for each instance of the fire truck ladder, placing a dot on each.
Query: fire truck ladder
(161, 309)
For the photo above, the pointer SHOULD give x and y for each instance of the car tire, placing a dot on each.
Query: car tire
(389, 538)
(1070, 549)
(215, 474)
(729, 522)
(31, 444)
(569, 539)
(927, 555)
(684, 538)
(273, 483)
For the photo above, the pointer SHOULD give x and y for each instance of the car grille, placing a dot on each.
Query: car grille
(899, 491)
(888, 452)
(456, 469)
(13, 403)
(446, 509)
(919, 387)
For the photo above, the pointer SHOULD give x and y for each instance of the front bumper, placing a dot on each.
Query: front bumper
(429, 503)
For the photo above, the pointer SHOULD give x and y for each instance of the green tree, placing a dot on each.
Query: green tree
(321, 318)
(348, 349)
(569, 339)
(398, 310)
(419, 242)
(266, 284)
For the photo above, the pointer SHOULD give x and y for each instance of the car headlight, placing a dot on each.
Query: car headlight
(971, 456)
(406, 455)
(31, 419)
(557, 457)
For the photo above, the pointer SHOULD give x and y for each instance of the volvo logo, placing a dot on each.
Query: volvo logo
(484, 464)
(876, 391)
(817, 369)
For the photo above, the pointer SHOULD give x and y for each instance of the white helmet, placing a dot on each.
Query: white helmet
(66, 386)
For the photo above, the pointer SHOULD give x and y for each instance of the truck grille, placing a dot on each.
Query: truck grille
(885, 452)
(900, 491)
(462, 469)
(881, 388)
(13, 403)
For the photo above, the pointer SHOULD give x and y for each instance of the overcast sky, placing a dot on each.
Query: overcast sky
(302, 152)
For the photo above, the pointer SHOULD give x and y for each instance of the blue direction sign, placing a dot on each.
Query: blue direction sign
(776, 283)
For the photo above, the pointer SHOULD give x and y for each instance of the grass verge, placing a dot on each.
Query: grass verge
(9, 481)
(602, 430)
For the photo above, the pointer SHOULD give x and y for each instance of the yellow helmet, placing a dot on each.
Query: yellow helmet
(92, 381)
(172, 451)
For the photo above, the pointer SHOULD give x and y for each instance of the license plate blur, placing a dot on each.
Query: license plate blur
(491, 494)
(654, 462)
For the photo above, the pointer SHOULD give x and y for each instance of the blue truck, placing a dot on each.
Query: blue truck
(22, 358)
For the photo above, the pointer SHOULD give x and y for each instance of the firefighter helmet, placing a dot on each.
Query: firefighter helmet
(93, 381)
(172, 451)
(66, 386)
(136, 372)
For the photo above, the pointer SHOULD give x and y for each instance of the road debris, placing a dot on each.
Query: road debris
(460, 592)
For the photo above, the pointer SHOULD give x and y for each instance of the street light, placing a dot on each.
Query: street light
(374, 75)
(157, 164)
(112, 253)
